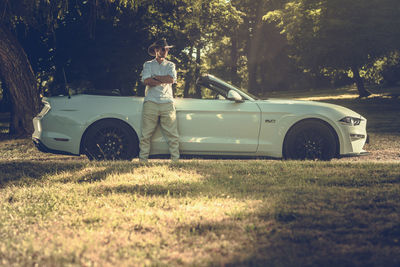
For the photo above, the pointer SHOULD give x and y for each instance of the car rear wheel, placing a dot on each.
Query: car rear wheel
(110, 140)
(310, 139)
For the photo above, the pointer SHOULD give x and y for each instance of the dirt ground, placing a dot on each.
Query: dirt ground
(382, 147)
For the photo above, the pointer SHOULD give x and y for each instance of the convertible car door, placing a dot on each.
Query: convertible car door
(212, 126)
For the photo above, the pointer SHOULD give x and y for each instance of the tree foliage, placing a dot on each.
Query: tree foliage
(203, 26)
(339, 34)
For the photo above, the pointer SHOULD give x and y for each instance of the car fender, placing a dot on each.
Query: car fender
(330, 123)
(273, 144)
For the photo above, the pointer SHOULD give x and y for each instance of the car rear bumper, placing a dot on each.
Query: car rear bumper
(43, 148)
(55, 135)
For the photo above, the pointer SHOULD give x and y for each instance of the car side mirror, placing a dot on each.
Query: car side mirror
(234, 96)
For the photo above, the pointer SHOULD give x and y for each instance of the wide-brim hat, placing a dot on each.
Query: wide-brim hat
(156, 44)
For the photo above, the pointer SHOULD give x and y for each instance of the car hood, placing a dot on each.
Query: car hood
(305, 107)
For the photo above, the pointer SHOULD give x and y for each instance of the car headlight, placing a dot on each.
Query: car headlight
(351, 121)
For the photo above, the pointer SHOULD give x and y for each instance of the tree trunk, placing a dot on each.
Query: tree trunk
(18, 78)
(197, 72)
(359, 82)
(253, 52)
(188, 75)
(234, 60)
(188, 82)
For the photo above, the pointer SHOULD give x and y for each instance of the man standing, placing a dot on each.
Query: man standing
(158, 75)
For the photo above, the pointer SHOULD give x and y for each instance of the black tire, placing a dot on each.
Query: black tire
(310, 139)
(110, 140)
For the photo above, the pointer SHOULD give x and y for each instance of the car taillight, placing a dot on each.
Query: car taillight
(44, 111)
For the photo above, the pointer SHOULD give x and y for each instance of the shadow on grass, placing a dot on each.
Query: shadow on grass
(24, 172)
(213, 182)
(72, 172)
(30, 171)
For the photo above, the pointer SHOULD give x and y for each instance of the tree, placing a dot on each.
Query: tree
(15, 69)
(112, 59)
(202, 25)
(339, 34)
(20, 82)
(264, 52)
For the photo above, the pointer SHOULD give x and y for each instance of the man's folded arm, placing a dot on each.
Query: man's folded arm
(152, 82)
(164, 79)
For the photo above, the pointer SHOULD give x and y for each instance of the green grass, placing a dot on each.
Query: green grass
(58, 210)
(67, 211)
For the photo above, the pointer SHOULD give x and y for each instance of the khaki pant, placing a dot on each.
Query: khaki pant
(169, 125)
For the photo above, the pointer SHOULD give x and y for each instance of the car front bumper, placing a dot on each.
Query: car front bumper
(354, 139)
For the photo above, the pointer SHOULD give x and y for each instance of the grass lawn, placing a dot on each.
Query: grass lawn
(67, 211)
(199, 212)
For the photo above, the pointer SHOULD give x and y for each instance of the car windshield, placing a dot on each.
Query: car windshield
(225, 84)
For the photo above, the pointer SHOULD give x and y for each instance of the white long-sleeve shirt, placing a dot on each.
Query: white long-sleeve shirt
(161, 93)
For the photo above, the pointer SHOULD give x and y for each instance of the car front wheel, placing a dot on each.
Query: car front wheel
(310, 139)
(110, 140)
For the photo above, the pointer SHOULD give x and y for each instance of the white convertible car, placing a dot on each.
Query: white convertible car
(224, 122)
